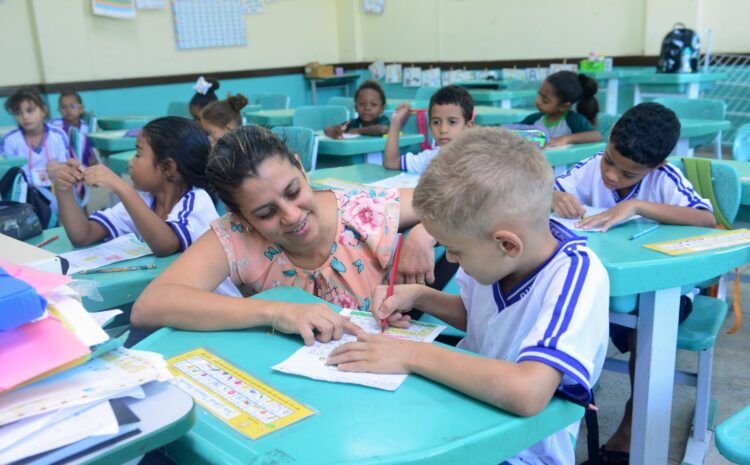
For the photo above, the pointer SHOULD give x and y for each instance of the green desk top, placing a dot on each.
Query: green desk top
(620, 73)
(251, 107)
(12, 161)
(361, 174)
(116, 288)
(111, 141)
(362, 145)
(702, 127)
(674, 78)
(270, 118)
(487, 116)
(634, 269)
(572, 154)
(123, 121)
(422, 422)
(494, 96)
(118, 162)
(392, 103)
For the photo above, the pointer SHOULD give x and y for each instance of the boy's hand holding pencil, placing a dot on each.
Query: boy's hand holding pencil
(393, 309)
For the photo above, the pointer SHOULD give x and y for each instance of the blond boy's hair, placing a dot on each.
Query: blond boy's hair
(485, 178)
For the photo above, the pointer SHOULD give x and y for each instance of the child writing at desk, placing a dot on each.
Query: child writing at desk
(533, 300)
(167, 205)
(369, 101)
(336, 245)
(222, 116)
(632, 176)
(555, 101)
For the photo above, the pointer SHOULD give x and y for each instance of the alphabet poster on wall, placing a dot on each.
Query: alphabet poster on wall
(113, 8)
(209, 23)
(412, 76)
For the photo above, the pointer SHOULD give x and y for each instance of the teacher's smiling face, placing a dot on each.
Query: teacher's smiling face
(279, 203)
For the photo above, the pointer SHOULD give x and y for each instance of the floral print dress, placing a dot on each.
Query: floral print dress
(366, 232)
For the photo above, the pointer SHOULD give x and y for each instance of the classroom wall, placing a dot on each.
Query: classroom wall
(729, 21)
(18, 44)
(78, 46)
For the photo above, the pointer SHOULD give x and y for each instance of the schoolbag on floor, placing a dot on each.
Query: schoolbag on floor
(14, 186)
(679, 44)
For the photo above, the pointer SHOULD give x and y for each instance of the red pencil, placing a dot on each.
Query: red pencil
(47, 241)
(392, 281)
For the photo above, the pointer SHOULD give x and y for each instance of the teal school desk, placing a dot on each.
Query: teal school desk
(612, 80)
(561, 158)
(270, 118)
(117, 289)
(422, 422)
(123, 121)
(677, 84)
(657, 279)
(696, 128)
(500, 98)
(494, 116)
(109, 142)
(118, 162)
(343, 81)
(340, 152)
(393, 103)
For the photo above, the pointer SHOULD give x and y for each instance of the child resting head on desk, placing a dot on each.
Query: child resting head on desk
(533, 299)
(632, 176)
(167, 205)
(369, 101)
(222, 116)
(451, 111)
(337, 245)
(555, 100)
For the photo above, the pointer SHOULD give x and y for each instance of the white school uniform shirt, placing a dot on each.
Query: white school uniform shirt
(83, 128)
(417, 163)
(665, 185)
(190, 218)
(55, 147)
(557, 316)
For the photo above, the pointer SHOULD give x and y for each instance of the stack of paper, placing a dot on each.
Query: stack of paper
(53, 406)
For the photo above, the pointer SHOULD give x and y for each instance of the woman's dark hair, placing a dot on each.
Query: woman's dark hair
(223, 112)
(576, 88)
(183, 141)
(238, 155)
(13, 104)
(201, 100)
(373, 85)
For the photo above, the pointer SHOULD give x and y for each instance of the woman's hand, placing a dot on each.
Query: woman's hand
(417, 261)
(313, 321)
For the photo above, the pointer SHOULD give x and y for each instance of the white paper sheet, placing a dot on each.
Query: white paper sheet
(83, 325)
(570, 223)
(310, 361)
(400, 181)
(118, 249)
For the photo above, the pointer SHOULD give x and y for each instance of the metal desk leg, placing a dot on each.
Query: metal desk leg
(637, 97)
(654, 376)
(505, 103)
(313, 89)
(613, 88)
(693, 90)
(683, 147)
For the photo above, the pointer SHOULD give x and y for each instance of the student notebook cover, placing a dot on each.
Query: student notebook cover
(36, 349)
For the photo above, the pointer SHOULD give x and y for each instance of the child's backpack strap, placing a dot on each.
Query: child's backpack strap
(698, 172)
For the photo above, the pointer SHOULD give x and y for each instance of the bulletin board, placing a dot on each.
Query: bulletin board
(209, 23)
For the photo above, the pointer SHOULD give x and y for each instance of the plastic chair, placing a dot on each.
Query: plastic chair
(317, 118)
(425, 93)
(347, 102)
(90, 118)
(733, 437)
(77, 145)
(741, 146)
(604, 123)
(301, 141)
(699, 331)
(179, 109)
(273, 101)
(698, 108)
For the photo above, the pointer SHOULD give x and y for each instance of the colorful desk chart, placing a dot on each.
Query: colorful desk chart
(244, 403)
(201, 24)
(702, 243)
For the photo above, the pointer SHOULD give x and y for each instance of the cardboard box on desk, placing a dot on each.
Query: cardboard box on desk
(316, 70)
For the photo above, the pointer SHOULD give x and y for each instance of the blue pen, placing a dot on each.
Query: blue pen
(644, 232)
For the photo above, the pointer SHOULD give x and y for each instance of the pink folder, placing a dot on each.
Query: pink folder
(38, 348)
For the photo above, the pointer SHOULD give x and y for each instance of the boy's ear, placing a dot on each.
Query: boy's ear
(470, 123)
(507, 242)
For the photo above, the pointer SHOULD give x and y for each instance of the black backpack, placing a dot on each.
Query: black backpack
(10, 185)
(678, 42)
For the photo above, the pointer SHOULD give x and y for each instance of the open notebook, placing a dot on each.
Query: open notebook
(570, 223)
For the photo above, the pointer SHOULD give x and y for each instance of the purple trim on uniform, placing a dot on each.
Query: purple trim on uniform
(559, 186)
(576, 391)
(692, 196)
(562, 369)
(633, 192)
(181, 233)
(573, 303)
(563, 357)
(180, 226)
(577, 166)
(104, 221)
(403, 162)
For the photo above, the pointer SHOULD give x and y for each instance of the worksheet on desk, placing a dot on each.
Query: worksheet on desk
(571, 223)
(121, 248)
(310, 361)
